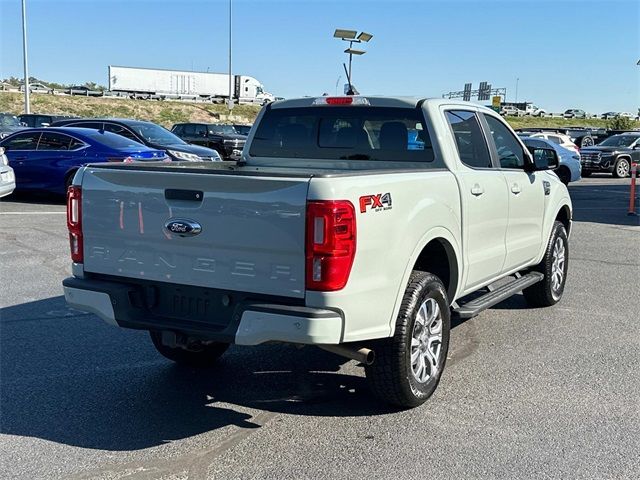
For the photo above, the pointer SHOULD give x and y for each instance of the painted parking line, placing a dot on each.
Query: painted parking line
(33, 213)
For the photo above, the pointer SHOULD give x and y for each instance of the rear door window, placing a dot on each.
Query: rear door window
(470, 140)
(23, 141)
(201, 130)
(344, 133)
(54, 141)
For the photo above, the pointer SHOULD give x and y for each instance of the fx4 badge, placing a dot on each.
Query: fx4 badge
(377, 202)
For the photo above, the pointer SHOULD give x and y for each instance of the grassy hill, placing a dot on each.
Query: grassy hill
(163, 112)
(169, 112)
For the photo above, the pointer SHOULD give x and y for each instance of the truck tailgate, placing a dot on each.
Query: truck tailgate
(251, 239)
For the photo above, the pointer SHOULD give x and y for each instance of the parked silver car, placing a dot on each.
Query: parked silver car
(7, 177)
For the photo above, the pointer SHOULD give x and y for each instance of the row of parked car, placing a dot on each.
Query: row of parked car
(42, 152)
(534, 111)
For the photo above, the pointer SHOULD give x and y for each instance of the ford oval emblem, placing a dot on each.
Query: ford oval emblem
(183, 227)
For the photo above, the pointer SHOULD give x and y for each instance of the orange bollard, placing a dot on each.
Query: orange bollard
(632, 193)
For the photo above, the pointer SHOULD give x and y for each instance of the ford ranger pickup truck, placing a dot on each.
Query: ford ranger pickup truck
(357, 224)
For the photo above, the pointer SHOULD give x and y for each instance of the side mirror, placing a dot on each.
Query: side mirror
(543, 159)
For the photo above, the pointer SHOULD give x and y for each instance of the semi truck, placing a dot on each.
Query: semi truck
(180, 84)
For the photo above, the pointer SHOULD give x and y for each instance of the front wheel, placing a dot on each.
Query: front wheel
(564, 174)
(408, 365)
(621, 169)
(554, 267)
(198, 355)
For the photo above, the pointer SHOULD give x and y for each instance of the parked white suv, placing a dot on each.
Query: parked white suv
(357, 224)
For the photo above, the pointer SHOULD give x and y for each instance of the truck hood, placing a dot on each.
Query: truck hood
(604, 149)
(188, 148)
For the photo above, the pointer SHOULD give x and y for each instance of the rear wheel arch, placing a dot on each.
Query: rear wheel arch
(564, 216)
(439, 258)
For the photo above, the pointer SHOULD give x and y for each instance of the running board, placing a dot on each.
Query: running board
(475, 306)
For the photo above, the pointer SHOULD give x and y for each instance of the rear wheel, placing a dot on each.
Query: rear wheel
(621, 168)
(554, 266)
(196, 355)
(68, 181)
(408, 365)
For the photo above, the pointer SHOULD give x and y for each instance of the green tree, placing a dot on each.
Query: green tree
(620, 123)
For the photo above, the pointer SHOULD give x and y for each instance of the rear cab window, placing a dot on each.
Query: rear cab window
(389, 134)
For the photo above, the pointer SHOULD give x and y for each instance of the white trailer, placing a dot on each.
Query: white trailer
(182, 84)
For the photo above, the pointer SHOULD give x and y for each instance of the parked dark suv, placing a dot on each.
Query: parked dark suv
(37, 120)
(614, 155)
(148, 134)
(223, 138)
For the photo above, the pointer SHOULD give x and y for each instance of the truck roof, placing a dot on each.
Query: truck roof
(378, 101)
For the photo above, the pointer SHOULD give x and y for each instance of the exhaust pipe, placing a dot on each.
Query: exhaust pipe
(362, 355)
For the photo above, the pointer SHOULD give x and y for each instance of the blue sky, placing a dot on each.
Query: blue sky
(566, 54)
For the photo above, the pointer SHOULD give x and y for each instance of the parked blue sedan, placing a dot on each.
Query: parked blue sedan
(569, 168)
(47, 158)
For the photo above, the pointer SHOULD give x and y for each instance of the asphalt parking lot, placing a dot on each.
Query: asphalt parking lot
(547, 393)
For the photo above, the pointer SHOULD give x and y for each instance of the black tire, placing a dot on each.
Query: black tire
(391, 377)
(68, 181)
(564, 174)
(621, 168)
(586, 173)
(202, 356)
(547, 292)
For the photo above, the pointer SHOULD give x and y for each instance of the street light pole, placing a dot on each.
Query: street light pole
(230, 104)
(27, 108)
(517, 81)
(350, 36)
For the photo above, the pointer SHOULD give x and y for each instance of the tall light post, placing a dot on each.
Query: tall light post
(230, 75)
(351, 36)
(27, 107)
(517, 82)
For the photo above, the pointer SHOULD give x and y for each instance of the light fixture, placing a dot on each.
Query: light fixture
(348, 34)
(365, 37)
(353, 51)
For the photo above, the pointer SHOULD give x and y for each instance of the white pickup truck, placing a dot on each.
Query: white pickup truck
(357, 224)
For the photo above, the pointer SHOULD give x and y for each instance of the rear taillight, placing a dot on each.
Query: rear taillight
(330, 244)
(74, 223)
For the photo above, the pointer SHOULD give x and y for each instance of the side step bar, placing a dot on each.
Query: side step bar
(475, 306)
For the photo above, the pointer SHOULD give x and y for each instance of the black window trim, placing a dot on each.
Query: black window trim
(483, 129)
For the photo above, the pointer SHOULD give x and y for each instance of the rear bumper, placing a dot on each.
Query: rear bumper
(247, 322)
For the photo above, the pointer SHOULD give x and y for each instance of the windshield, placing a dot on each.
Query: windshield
(344, 133)
(620, 141)
(9, 120)
(223, 130)
(153, 133)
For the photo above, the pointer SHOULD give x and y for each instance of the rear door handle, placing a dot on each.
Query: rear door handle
(515, 188)
(477, 190)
